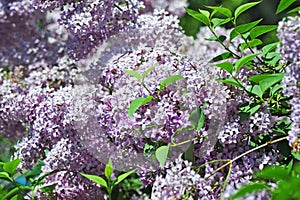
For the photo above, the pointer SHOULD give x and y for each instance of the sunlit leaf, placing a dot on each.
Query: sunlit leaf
(198, 16)
(244, 60)
(227, 66)
(260, 30)
(231, 81)
(108, 169)
(244, 8)
(222, 10)
(10, 167)
(161, 154)
(283, 5)
(133, 73)
(138, 102)
(96, 179)
(222, 56)
(169, 81)
(123, 176)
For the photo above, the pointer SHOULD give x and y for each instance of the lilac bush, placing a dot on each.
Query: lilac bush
(85, 82)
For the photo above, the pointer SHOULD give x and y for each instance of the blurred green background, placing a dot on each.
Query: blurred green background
(266, 10)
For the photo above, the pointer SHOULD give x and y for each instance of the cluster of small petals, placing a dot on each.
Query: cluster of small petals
(26, 45)
(20, 9)
(91, 23)
(294, 134)
(158, 30)
(72, 158)
(179, 182)
(175, 7)
(70, 186)
(260, 123)
(289, 35)
(50, 5)
(43, 110)
(202, 48)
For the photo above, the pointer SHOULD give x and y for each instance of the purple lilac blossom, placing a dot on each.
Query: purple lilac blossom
(90, 23)
(175, 7)
(289, 35)
(22, 43)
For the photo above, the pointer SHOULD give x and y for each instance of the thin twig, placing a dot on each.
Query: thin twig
(247, 152)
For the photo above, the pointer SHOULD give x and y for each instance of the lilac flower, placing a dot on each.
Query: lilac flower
(90, 23)
(175, 7)
(179, 182)
(288, 33)
(21, 42)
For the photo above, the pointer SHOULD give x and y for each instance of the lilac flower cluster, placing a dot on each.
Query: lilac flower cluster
(74, 115)
(90, 23)
(21, 42)
(289, 35)
(175, 7)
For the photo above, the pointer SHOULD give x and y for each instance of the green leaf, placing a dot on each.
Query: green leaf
(205, 13)
(96, 179)
(251, 43)
(227, 66)
(297, 9)
(218, 21)
(189, 154)
(150, 69)
(108, 169)
(248, 110)
(246, 27)
(16, 197)
(296, 155)
(15, 191)
(256, 89)
(133, 73)
(265, 81)
(272, 58)
(231, 81)
(5, 176)
(243, 8)
(243, 28)
(260, 30)
(290, 166)
(123, 176)
(221, 38)
(225, 11)
(222, 56)
(138, 102)
(198, 16)
(49, 188)
(269, 47)
(197, 118)
(284, 4)
(244, 60)
(250, 188)
(10, 167)
(273, 173)
(169, 81)
(161, 154)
